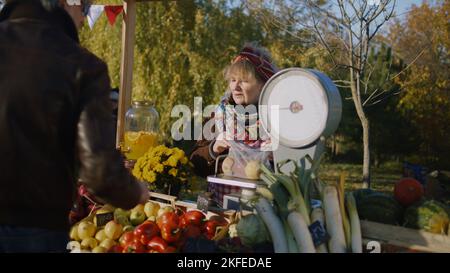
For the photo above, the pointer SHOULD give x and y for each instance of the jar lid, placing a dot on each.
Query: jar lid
(142, 103)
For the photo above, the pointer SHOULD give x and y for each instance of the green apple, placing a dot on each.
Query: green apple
(123, 220)
(137, 217)
(121, 212)
(128, 228)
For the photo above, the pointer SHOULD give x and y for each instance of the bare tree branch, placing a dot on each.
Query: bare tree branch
(410, 64)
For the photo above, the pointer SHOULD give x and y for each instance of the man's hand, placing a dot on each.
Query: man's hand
(145, 195)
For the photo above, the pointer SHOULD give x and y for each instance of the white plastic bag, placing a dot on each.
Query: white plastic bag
(244, 161)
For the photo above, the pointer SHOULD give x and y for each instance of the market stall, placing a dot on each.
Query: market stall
(285, 208)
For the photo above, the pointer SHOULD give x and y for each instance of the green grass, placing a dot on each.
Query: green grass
(383, 178)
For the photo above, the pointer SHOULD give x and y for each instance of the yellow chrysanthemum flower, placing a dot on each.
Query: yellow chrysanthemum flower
(150, 176)
(184, 160)
(159, 168)
(172, 161)
(137, 173)
(173, 172)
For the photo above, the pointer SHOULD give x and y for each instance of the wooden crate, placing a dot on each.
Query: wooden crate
(395, 239)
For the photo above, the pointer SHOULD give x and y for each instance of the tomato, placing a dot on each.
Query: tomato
(194, 217)
(168, 218)
(170, 249)
(134, 247)
(157, 244)
(191, 231)
(146, 231)
(170, 232)
(126, 238)
(115, 249)
(183, 221)
(219, 219)
(210, 226)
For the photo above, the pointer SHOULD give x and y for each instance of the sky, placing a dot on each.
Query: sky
(404, 5)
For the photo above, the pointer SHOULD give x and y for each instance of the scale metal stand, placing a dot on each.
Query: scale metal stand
(299, 109)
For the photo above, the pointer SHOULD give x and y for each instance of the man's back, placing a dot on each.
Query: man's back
(53, 108)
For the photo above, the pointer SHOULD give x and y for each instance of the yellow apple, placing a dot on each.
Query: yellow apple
(165, 209)
(253, 169)
(88, 243)
(107, 243)
(113, 230)
(151, 209)
(100, 235)
(227, 166)
(86, 229)
(74, 233)
(99, 249)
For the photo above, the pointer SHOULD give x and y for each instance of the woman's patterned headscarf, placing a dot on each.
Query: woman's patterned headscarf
(263, 66)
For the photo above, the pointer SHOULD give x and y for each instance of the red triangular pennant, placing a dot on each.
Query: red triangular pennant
(112, 12)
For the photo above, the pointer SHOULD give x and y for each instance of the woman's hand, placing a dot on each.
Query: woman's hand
(220, 146)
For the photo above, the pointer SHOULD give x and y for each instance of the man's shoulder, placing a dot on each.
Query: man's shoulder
(87, 59)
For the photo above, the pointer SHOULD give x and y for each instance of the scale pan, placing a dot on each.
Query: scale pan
(298, 106)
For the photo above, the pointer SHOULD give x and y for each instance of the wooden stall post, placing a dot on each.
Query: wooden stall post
(126, 66)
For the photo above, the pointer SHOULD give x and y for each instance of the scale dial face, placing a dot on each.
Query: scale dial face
(303, 107)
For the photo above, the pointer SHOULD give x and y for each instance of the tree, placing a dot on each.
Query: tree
(424, 37)
(347, 38)
(181, 50)
(392, 134)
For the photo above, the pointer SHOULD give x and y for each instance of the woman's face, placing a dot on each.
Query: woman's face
(245, 91)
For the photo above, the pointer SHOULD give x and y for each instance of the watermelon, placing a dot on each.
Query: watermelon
(381, 208)
(361, 194)
(431, 216)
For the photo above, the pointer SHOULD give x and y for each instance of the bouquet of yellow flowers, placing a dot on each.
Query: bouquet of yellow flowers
(164, 169)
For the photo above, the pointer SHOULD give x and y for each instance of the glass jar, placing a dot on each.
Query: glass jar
(141, 129)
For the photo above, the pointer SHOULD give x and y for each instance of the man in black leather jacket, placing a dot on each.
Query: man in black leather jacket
(55, 126)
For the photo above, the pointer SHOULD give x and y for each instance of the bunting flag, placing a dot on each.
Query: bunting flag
(112, 12)
(94, 13)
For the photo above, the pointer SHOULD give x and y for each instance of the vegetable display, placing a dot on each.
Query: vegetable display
(286, 206)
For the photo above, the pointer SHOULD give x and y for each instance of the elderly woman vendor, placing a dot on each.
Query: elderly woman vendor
(246, 76)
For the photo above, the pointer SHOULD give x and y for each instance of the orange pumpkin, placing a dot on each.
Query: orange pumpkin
(408, 191)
